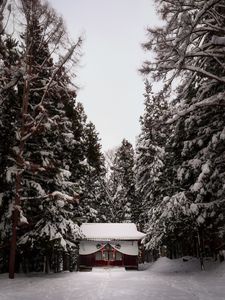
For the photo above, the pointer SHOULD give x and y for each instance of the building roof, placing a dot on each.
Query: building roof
(111, 231)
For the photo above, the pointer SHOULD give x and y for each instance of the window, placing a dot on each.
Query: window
(98, 256)
(111, 255)
(118, 255)
(105, 255)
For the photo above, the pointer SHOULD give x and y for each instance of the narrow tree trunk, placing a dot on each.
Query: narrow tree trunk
(17, 202)
(13, 248)
(15, 218)
(47, 265)
(44, 264)
(201, 248)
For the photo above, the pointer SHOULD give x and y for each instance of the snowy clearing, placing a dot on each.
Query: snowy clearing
(162, 280)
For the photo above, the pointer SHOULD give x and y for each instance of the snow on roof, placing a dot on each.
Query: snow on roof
(111, 231)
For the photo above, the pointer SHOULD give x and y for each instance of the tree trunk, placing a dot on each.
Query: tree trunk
(19, 159)
(13, 247)
(201, 248)
(15, 218)
(46, 268)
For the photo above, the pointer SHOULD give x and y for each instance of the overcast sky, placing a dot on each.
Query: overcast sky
(111, 87)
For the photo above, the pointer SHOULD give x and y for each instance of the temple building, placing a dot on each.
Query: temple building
(109, 244)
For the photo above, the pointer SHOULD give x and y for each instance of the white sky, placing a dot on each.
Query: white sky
(111, 87)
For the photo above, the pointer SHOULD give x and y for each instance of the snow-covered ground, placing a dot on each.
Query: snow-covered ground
(162, 280)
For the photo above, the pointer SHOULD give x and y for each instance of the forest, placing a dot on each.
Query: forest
(54, 175)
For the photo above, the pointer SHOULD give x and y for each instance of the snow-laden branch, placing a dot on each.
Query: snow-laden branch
(218, 99)
(49, 85)
(59, 67)
(203, 72)
(65, 197)
(210, 204)
(165, 68)
(208, 5)
(13, 82)
(55, 195)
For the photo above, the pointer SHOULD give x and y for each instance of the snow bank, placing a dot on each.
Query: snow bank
(186, 264)
(181, 265)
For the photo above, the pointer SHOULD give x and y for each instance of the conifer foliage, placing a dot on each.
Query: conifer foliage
(93, 198)
(123, 184)
(150, 154)
(189, 47)
(46, 142)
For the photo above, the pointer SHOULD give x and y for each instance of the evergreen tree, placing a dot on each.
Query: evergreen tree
(190, 47)
(93, 198)
(150, 155)
(55, 195)
(35, 168)
(123, 184)
(9, 112)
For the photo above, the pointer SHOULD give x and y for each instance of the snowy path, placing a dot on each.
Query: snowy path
(164, 280)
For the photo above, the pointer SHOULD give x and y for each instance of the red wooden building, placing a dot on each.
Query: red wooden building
(109, 244)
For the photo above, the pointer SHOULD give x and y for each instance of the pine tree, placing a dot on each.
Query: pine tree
(33, 163)
(123, 184)
(150, 155)
(93, 199)
(190, 48)
(48, 147)
(9, 112)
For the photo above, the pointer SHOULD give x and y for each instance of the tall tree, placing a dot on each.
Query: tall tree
(123, 185)
(94, 198)
(36, 169)
(9, 112)
(150, 154)
(190, 48)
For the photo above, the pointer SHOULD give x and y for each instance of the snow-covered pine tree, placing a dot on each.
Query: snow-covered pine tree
(109, 157)
(150, 155)
(123, 185)
(37, 168)
(52, 147)
(190, 47)
(93, 200)
(78, 118)
(9, 112)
